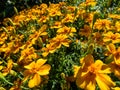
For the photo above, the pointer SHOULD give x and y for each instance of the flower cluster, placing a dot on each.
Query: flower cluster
(61, 46)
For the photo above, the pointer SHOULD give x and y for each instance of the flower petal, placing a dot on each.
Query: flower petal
(30, 66)
(88, 60)
(40, 62)
(36, 80)
(44, 70)
(86, 80)
(104, 82)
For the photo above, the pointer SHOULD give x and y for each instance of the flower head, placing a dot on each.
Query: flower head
(36, 70)
(60, 40)
(66, 31)
(91, 73)
(111, 37)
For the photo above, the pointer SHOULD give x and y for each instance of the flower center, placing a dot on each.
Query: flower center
(93, 69)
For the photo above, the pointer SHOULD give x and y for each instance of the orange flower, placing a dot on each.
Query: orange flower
(35, 70)
(102, 24)
(86, 31)
(57, 24)
(7, 69)
(117, 26)
(115, 52)
(91, 73)
(48, 49)
(7, 48)
(97, 37)
(60, 40)
(3, 37)
(111, 37)
(68, 18)
(114, 16)
(88, 3)
(66, 31)
(115, 68)
(27, 55)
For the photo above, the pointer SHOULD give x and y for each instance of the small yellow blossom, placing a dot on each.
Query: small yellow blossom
(66, 31)
(111, 37)
(114, 16)
(115, 68)
(117, 26)
(35, 70)
(27, 55)
(68, 18)
(7, 69)
(3, 37)
(48, 49)
(88, 3)
(102, 24)
(91, 73)
(60, 40)
(57, 24)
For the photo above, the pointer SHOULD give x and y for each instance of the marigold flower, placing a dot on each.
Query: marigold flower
(66, 31)
(48, 49)
(97, 37)
(115, 68)
(57, 24)
(7, 48)
(68, 18)
(27, 55)
(91, 73)
(7, 69)
(114, 16)
(3, 37)
(86, 31)
(102, 24)
(60, 40)
(54, 12)
(117, 26)
(35, 70)
(88, 3)
(1, 67)
(111, 37)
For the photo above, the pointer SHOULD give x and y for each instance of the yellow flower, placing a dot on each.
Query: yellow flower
(1, 67)
(3, 37)
(116, 88)
(70, 9)
(48, 49)
(27, 55)
(7, 49)
(60, 40)
(7, 69)
(54, 10)
(86, 31)
(91, 73)
(111, 49)
(68, 18)
(102, 24)
(57, 24)
(111, 37)
(41, 32)
(117, 26)
(115, 52)
(43, 19)
(115, 68)
(97, 37)
(88, 3)
(89, 18)
(36, 70)
(66, 31)
(114, 16)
